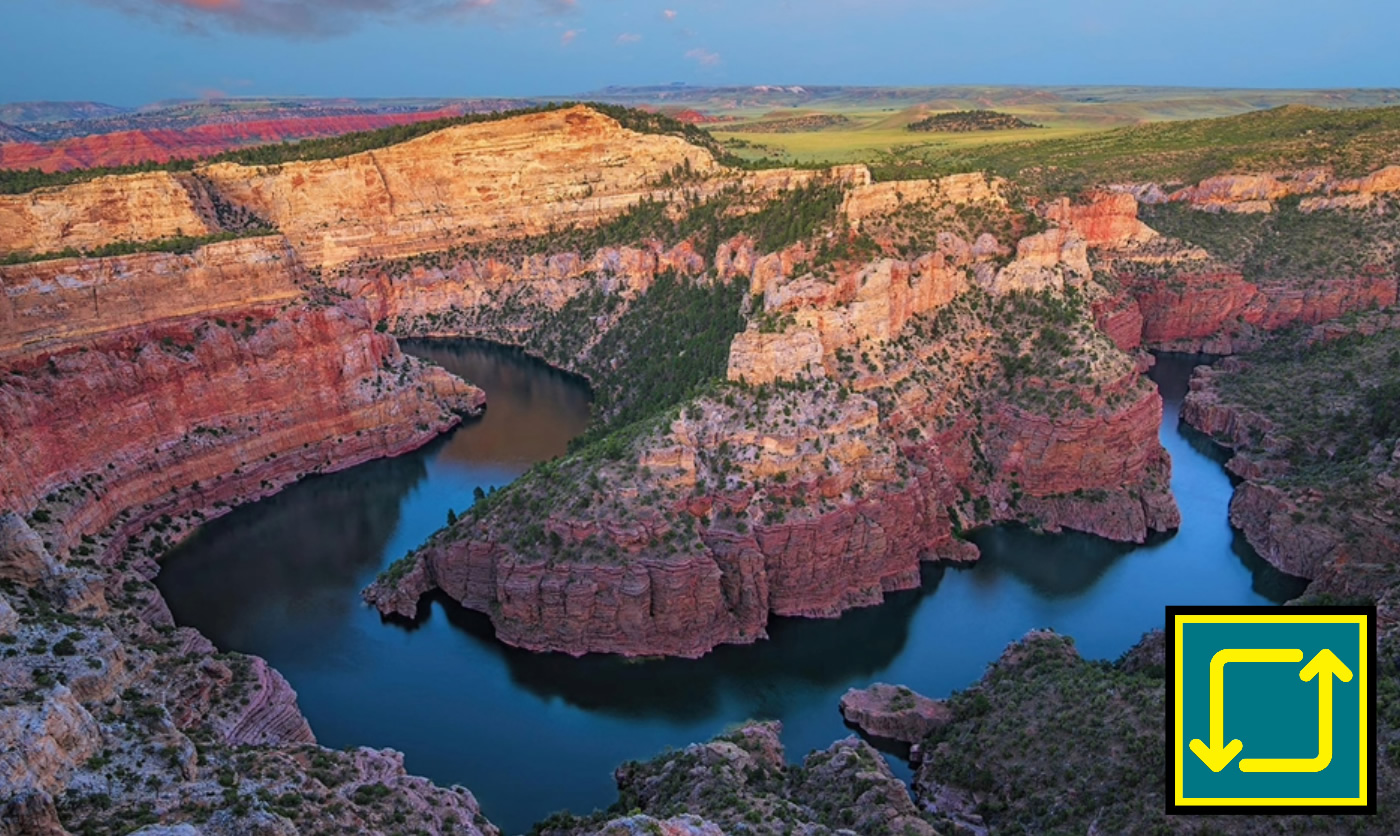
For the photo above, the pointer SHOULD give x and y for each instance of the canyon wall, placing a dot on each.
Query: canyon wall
(84, 216)
(1319, 475)
(812, 483)
(158, 383)
(871, 467)
(514, 178)
(67, 300)
(1175, 296)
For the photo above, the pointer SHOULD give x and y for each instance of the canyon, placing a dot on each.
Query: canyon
(880, 390)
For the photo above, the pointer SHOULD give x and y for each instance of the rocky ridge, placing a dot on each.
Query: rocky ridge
(633, 591)
(112, 718)
(741, 782)
(1319, 492)
(812, 483)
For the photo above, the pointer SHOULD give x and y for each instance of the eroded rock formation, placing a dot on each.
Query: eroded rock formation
(894, 712)
(134, 207)
(871, 413)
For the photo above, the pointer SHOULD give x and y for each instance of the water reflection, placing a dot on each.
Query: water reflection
(532, 733)
(799, 654)
(1055, 565)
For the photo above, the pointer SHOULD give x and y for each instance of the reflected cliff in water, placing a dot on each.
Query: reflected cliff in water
(799, 654)
(235, 579)
(532, 733)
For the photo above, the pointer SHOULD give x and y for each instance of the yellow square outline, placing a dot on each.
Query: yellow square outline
(1363, 695)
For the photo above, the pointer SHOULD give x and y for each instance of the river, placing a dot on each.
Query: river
(530, 734)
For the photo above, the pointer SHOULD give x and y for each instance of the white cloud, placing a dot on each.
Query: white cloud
(703, 57)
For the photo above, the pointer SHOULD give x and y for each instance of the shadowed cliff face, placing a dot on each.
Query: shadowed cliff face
(234, 574)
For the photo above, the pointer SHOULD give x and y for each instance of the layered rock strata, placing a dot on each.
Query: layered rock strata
(509, 179)
(133, 207)
(871, 414)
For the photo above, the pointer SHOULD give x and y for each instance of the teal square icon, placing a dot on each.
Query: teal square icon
(1270, 710)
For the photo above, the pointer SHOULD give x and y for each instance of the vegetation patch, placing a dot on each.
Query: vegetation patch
(179, 244)
(968, 121)
(1352, 142)
(1288, 244)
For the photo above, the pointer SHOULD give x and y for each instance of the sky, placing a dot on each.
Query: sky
(131, 52)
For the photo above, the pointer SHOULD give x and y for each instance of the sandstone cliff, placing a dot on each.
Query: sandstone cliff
(510, 179)
(134, 207)
(813, 482)
(64, 301)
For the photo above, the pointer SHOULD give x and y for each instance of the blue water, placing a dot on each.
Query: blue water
(531, 733)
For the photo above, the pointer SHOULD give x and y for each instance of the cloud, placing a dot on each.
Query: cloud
(703, 57)
(628, 38)
(669, 14)
(299, 18)
(569, 36)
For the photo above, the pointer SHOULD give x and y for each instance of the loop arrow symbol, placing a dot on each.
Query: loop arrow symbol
(1324, 666)
(1218, 755)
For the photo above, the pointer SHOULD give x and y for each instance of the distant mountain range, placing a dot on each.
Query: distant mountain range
(56, 136)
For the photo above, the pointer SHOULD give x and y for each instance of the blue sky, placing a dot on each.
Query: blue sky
(136, 51)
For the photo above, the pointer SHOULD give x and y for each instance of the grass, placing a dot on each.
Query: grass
(1350, 141)
(1289, 245)
(867, 144)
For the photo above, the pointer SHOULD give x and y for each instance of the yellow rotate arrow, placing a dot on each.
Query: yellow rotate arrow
(1217, 755)
(1324, 666)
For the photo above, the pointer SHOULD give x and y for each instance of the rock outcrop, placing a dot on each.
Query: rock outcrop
(132, 207)
(741, 781)
(894, 712)
(825, 491)
(64, 301)
(877, 200)
(1105, 219)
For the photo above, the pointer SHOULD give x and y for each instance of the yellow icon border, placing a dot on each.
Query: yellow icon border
(1363, 617)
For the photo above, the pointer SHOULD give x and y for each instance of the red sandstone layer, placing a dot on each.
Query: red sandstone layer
(159, 146)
